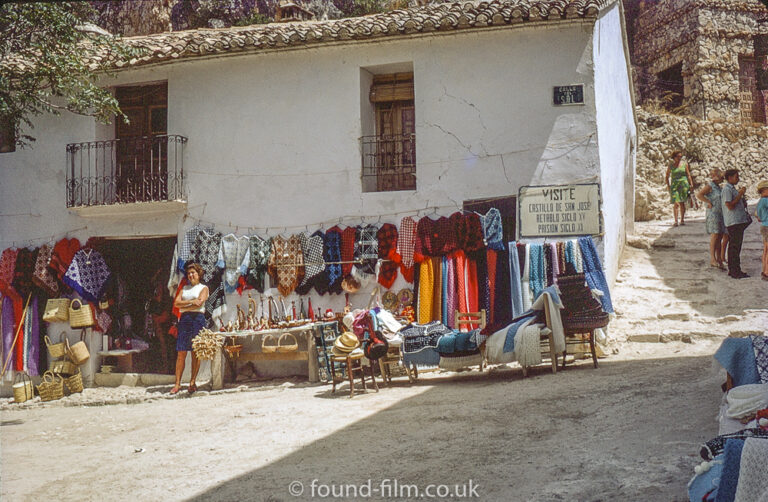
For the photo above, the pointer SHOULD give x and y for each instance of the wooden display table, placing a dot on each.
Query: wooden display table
(305, 332)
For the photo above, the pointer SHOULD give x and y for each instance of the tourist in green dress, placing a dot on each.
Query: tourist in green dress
(679, 183)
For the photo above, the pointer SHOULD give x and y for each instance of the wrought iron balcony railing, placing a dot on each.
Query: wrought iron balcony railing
(389, 162)
(141, 169)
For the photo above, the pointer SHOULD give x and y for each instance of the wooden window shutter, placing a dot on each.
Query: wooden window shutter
(394, 87)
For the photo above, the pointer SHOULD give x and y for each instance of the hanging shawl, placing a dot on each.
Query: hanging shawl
(437, 289)
(593, 270)
(286, 264)
(493, 232)
(492, 261)
(348, 238)
(41, 276)
(234, 257)
(367, 250)
(173, 276)
(387, 237)
(312, 248)
(187, 250)
(469, 232)
(406, 242)
(88, 274)
(501, 296)
(445, 229)
(537, 272)
(526, 278)
(332, 257)
(429, 241)
(444, 293)
(205, 251)
(7, 266)
(8, 321)
(22, 274)
(426, 291)
(451, 301)
(259, 251)
(483, 286)
(62, 255)
(515, 286)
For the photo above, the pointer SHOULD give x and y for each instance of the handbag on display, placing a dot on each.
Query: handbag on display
(78, 352)
(80, 315)
(56, 309)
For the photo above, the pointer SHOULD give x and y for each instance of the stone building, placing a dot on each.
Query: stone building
(707, 58)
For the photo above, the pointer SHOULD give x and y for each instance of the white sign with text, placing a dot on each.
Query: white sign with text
(559, 210)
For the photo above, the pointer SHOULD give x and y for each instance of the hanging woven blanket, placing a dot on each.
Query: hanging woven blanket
(205, 252)
(312, 248)
(286, 264)
(332, 257)
(367, 251)
(234, 258)
(88, 274)
(537, 272)
(760, 346)
(470, 233)
(387, 237)
(593, 270)
(7, 266)
(22, 274)
(62, 255)
(348, 238)
(42, 277)
(259, 251)
(753, 481)
(406, 242)
(493, 232)
(429, 240)
(187, 250)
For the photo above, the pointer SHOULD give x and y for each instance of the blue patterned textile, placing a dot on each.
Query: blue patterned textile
(515, 286)
(593, 271)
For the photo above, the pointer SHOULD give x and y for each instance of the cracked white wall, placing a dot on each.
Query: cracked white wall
(274, 137)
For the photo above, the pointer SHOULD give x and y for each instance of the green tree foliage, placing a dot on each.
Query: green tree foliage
(50, 61)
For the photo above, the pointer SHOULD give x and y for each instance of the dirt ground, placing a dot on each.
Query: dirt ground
(629, 430)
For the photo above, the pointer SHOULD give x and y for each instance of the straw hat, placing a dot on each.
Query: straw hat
(762, 184)
(345, 344)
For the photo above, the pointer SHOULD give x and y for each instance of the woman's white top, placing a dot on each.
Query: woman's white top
(193, 293)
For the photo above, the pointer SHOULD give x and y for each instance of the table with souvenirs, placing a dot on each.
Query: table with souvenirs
(281, 341)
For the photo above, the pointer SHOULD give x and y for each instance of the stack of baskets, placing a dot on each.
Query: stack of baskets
(65, 362)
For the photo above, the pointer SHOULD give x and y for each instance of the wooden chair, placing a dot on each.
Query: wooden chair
(580, 336)
(472, 320)
(354, 365)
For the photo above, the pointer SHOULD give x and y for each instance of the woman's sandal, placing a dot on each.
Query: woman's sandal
(192, 388)
(174, 391)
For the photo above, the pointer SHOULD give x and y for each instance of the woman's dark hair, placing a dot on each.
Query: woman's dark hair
(675, 154)
(730, 172)
(196, 267)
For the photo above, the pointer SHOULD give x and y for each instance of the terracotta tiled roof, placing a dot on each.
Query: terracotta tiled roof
(442, 17)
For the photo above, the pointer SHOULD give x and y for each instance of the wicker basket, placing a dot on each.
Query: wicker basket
(80, 315)
(269, 349)
(51, 388)
(78, 352)
(284, 343)
(22, 390)
(56, 349)
(74, 383)
(62, 367)
(56, 309)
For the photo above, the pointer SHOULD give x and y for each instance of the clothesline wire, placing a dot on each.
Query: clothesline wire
(51, 238)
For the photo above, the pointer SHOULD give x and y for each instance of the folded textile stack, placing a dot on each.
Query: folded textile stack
(581, 309)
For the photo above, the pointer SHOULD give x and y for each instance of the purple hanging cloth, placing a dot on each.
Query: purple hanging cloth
(7, 326)
(32, 339)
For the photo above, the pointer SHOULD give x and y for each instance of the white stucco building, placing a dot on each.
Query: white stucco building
(277, 122)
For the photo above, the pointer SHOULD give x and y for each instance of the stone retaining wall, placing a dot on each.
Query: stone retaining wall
(705, 144)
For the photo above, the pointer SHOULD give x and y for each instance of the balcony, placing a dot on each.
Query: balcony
(149, 169)
(389, 162)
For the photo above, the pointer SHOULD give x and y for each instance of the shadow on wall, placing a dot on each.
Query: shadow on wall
(565, 436)
(685, 270)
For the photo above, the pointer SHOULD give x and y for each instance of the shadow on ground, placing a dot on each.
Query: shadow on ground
(625, 431)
